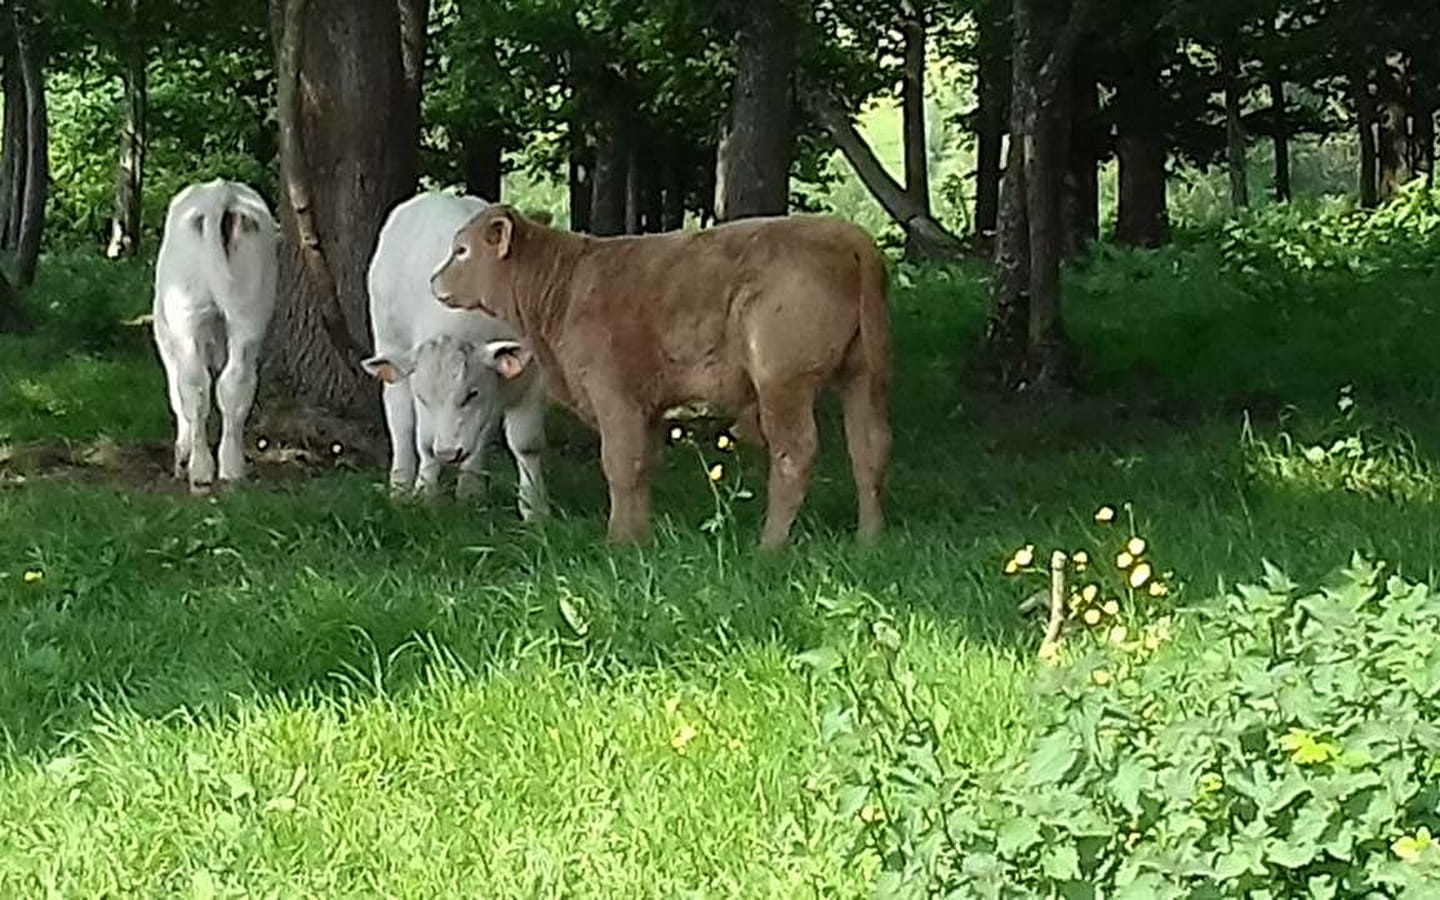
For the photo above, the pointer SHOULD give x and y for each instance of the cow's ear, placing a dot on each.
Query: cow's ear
(500, 233)
(390, 368)
(509, 358)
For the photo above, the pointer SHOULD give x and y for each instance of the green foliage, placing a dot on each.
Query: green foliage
(1292, 751)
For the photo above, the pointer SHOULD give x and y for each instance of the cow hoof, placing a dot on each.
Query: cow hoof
(201, 488)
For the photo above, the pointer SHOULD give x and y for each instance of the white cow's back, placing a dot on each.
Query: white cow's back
(414, 241)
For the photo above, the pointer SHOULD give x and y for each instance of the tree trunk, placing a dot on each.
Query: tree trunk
(483, 163)
(37, 156)
(912, 102)
(634, 190)
(1279, 114)
(126, 225)
(1142, 219)
(656, 167)
(752, 174)
(12, 318)
(1423, 139)
(1080, 201)
(990, 96)
(611, 177)
(349, 147)
(1366, 118)
(581, 177)
(1234, 132)
(928, 237)
(13, 155)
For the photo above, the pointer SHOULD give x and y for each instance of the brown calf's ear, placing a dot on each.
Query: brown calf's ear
(508, 358)
(499, 233)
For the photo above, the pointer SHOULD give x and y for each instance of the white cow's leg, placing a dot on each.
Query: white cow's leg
(163, 342)
(470, 485)
(427, 482)
(235, 393)
(194, 390)
(525, 436)
(400, 419)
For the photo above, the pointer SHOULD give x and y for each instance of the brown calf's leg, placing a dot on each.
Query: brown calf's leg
(787, 419)
(867, 436)
(625, 458)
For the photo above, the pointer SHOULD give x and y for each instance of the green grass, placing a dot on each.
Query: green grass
(301, 688)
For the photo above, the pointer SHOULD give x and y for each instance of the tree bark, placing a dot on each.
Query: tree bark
(634, 190)
(582, 187)
(1234, 131)
(611, 177)
(1279, 115)
(37, 156)
(125, 225)
(12, 318)
(991, 98)
(1392, 145)
(1366, 118)
(13, 155)
(752, 174)
(928, 236)
(912, 103)
(483, 164)
(1142, 219)
(349, 85)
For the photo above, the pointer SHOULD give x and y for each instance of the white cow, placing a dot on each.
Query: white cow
(214, 295)
(450, 376)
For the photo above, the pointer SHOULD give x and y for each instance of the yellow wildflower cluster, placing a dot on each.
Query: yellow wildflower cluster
(1410, 847)
(34, 576)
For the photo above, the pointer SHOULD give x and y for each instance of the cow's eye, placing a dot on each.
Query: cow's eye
(462, 251)
(469, 398)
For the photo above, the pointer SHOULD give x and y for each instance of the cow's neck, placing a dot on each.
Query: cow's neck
(540, 292)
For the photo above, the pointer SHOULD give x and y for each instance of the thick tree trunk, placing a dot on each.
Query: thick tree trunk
(12, 319)
(349, 154)
(581, 178)
(482, 155)
(912, 102)
(752, 174)
(654, 165)
(1234, 131)
(611, 177)
(1392, 145)
(928, 237)
(634, 191)
(37, 157)
(1080, 201)
(126, 224)
(1281, 137)
(13, 155)
(1142, 218)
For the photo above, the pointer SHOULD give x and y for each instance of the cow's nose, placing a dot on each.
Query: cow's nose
(440, 293)
(450, 455)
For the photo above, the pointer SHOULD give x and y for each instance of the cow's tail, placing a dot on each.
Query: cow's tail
(874, 342)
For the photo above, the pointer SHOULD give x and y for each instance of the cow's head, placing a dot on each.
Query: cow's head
(473, 276)
(459, 387)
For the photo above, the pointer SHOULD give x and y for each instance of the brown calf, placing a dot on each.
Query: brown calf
(755, 316)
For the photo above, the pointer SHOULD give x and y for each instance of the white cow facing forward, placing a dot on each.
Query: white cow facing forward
(450, 376)
(214, 296)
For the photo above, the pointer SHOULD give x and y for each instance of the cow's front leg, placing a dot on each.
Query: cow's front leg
(470, 483)
(427, 481)
(624, 456)
(525, 436)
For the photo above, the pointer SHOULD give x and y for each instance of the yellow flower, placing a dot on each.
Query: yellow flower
(1210, 783)
(1100, 677)
(717, 472)
(1105, 514)
(1136, 546)
(677, 433)
(1409, 848)
(682, 737)
(1124, 560)
(1025, 555)
(1090, 592)
(1092, 617)
(672, 706)
(1140, 575)
(1118, 634)
(871, 815)
(34, 575)
(1159, 589)
(1081, 560)
(724, 441)
(1011, 566)
(1111, 607)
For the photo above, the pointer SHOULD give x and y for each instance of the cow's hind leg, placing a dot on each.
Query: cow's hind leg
(867, 436)
(787, 420)
(193, 372)
(235, 394)
(181, 458)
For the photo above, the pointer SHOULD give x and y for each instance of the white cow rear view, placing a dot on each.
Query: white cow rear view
(214, 296)
(450, 376)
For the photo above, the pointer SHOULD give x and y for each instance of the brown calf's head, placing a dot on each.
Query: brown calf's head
(475, 274)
